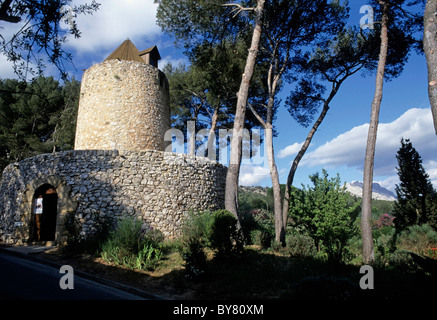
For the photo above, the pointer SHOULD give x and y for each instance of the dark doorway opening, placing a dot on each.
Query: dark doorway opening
(45, 211)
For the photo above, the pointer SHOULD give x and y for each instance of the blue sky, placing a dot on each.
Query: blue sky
(339, 144)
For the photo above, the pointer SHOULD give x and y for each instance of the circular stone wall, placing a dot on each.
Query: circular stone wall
(158, 187)
(124, 105)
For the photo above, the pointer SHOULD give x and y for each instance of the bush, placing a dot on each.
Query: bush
(216, 231)
(418, 239)
(195, 226)
(262, 228)
(261, 238)
(248, 224)
(301, 245)
(193, 241)
(222, 233)
(383, 243)
(195, 258)
(133, 246)
(402, 261)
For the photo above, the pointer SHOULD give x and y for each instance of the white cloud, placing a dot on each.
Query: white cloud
(8, 31)
(389, 183)
(431, 170)
(290, 150)
(253, 175)
(348, 149)
(173, 61)
(103, 31)
(6, 68)
(113, 23)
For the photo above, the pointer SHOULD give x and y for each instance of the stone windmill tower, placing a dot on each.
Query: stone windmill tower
(124, 102)
(119, 168)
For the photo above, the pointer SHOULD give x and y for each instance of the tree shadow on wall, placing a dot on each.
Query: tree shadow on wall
(110, 186)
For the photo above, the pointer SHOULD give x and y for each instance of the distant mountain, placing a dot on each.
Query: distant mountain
(378, 192)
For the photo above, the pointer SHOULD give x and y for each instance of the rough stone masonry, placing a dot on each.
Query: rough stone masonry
(158, 187)
(119, 167)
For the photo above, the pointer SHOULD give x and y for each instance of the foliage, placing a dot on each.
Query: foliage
(193, 242)
(418, 239)
(223, 235)
(384, 242)
(384, 220)
(36, 117)
(195, 22)
(254, 198)
(192, 251)
(380, 207)
(213, 230)
(321, 211)
(127, 235)
(333, 62)
(300, 245)
(261, 238)
(416, 198)
(40, 32)
(402, 260)
(133, 246)
(262, 231)
(205, 92)
(146, 258)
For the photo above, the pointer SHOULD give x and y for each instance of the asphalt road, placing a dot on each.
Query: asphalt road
(24, 279)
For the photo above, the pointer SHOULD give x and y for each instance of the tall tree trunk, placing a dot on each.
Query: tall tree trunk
(277, 201)
(366, 214)
(231, 195)
(304, 148)
(430, 48)
(296, 161)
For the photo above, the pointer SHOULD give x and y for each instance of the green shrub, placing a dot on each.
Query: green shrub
(261, 238)
(192, 251)
(127, 235)
(402, 261)
(258, 227)
(417, 239)
(148, 257)
(214, 230)
(301, 245)
(383, 243)
(248, 224)
(222, 233)
(193, 241)
(195, 226)
(133, 246)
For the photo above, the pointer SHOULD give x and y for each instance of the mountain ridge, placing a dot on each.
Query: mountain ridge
(378, 192)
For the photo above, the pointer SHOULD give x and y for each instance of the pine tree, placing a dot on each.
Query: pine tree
(416, 197)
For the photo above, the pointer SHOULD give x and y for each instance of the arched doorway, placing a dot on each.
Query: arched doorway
(45, 212)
